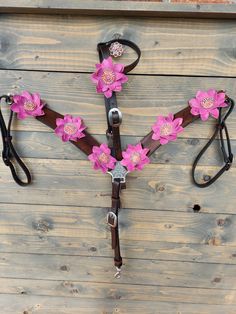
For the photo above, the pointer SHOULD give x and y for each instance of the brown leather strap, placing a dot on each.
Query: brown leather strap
(85, 143)
(152, 145)
(103, 50)
(113, 222)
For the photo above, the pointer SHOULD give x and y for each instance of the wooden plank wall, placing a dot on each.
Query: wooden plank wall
(55, 254)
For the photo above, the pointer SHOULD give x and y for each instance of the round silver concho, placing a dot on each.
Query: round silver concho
(116, 49)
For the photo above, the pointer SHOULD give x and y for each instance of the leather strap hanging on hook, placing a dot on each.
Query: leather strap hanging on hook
(9, 153)
(114, 119)
(227, 156)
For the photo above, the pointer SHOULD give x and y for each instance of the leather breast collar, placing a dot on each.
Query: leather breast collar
(114, 120)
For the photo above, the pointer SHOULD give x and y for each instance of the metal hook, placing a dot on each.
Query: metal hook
(118, 273)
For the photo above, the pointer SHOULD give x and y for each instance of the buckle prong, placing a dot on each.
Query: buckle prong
(111, 215)
(110, 117)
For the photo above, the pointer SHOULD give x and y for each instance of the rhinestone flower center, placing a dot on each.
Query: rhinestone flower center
(135, 158)
(70, 128)
(104, 158)
(166, 129)
(29, 106)
(207, 102)
(108, 77)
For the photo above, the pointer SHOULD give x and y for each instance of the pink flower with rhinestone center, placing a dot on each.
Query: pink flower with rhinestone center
(70, 128)
(135, 157)
(26, 104)
(101, 158)
(206, 103)
(109, 77)
(166, 129)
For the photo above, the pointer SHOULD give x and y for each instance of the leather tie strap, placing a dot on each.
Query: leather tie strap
(9, 153)
(112, 220)
(227, 156)
(85, 143)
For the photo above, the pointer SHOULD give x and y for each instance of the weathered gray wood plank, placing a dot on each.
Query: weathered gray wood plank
(43, 242)
(142, 99)
(166, 187)
(52, 305)
(112, 7)
(183, 151)
(99, 269)
(135, 225)
(170, 46)
(115, 291)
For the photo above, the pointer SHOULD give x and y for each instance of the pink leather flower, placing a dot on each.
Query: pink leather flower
(135, 157)
(166, 128)
(69, 128)
(207, 103)
(27, 104)
(101, 158)
(108, 77)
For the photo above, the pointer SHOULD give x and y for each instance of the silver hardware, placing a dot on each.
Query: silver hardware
(116, 49)
(110, 116)
(111, 215)
(118, 273)
(119, 172)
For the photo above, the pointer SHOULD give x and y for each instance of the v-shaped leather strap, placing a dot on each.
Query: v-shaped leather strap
(85, 143)
(153, 145)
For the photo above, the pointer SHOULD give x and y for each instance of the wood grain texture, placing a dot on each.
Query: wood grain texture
(114, 7)
(142, 99)
(161, 186)
(135, 225)
(53, 305)
(182, 152)
(115, 291)
(55, 254)
(136, 271)
(42, 242)
(171, 46)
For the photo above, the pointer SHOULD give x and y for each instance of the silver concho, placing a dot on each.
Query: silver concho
(119, 172)
(116, 49)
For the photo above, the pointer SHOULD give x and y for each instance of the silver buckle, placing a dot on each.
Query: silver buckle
(119, 172)
(112, 216)
(110, 118)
